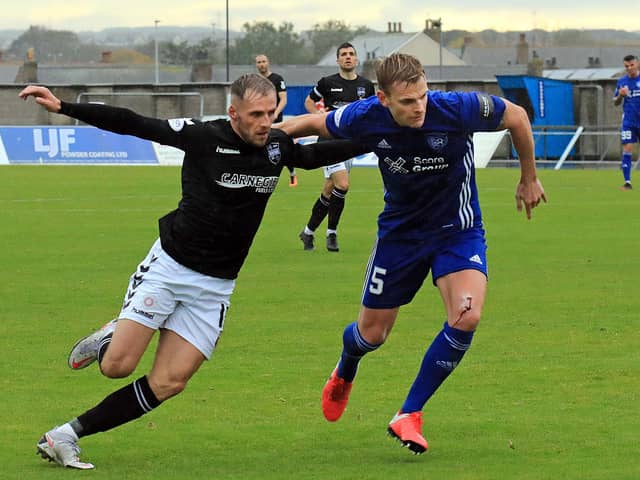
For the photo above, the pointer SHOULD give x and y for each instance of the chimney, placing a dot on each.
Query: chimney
(106, 57)
(522, 51)
(536, 65)
(467, 42)
(201, 72)
(27, 73)
(394, 27)
(432, 28)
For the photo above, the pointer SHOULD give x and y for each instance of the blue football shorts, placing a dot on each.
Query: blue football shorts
(397, 267)
(629, 134)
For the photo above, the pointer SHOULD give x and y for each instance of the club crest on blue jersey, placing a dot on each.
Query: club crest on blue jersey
(437, 141)
(273, 150)
(361, 92)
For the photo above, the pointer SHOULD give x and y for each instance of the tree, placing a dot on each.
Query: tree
(330, 34)
(53, 46)
(281, 45)
(184, 53)
(175, 53)
(564, 38)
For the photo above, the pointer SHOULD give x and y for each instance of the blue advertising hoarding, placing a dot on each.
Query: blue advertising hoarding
(72, 145)
(83, 145)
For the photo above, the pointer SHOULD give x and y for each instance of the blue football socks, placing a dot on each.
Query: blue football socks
(626, 166)
(442, 357)
(354, 348)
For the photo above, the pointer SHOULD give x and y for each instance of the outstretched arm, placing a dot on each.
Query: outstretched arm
(114, 119)
(42, 96)
(321, 154)
(529, 190)
(303, 125)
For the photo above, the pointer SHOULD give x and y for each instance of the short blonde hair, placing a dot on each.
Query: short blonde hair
(252, 81)
(398, 67)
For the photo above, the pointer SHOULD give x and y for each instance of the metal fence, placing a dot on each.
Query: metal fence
(595, 146)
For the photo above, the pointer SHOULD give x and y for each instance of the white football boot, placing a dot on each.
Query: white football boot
(85, 351)
(61, 447)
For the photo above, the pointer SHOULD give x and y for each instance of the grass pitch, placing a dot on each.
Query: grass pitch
(549, 390)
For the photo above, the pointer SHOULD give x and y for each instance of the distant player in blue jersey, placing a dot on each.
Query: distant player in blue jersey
(431, 220)
(628, 91)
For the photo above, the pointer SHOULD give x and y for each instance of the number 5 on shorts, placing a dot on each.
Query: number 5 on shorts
(377, 283)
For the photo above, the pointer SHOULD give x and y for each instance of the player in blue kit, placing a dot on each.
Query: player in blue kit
(628, 93)
(431, 220)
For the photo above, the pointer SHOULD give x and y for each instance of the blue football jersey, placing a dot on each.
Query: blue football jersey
(428, 172)
(631, 103)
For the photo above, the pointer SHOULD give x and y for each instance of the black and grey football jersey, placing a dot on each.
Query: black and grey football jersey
(281, 86)
(336, 91)
(226, 182)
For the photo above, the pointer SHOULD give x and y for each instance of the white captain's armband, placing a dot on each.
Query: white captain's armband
(178, 124)
(487, 107)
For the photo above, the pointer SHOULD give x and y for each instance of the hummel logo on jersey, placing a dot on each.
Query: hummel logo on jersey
(336, 89)
(447, 365)
(384, 144)
(228, 151)
(476, 259)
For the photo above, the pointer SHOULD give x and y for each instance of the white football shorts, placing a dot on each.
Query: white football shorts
(163, 293)
(337, 167)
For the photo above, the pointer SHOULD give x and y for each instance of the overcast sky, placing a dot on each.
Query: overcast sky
(473, 15)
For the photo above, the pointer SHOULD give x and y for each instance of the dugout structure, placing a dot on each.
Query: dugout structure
(549, 104)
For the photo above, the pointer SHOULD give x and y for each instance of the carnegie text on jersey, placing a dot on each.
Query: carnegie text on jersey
(259, 183)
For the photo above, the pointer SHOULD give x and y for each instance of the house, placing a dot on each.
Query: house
(569, 57)
(380, 44)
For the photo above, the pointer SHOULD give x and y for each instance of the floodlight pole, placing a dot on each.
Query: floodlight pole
(155, 44)
(439, 23)
(227, 41)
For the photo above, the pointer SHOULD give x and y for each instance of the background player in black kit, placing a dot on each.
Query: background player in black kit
(264, 69)
(336, 90)
(182, 288)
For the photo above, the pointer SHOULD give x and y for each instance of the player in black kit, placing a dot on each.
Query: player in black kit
(263, 67)
(182, 288)
(334, 91)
